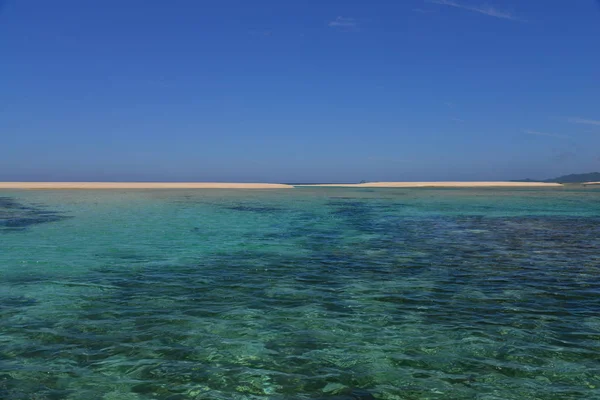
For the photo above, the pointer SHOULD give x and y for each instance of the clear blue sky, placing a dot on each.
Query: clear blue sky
(292, 91)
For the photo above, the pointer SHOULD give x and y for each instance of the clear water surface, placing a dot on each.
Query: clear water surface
(329, 293)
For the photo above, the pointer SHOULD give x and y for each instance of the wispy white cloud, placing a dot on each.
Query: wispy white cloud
(554, 135)
(344, 23)
(576, 120)
(483, 9)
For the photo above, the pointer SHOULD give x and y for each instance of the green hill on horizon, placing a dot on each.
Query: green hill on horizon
(571, 178)
(577, 178)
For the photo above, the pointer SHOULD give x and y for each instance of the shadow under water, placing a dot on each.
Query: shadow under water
(15, 216)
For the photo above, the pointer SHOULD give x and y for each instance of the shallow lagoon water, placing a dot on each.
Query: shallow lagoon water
(300, 294)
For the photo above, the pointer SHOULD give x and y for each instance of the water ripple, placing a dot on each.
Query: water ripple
(351, 296)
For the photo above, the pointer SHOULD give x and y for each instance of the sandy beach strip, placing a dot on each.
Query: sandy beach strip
(591, 183)
(140, 185)
(440, 184)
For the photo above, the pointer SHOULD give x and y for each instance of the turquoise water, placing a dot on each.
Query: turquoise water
(329, 293)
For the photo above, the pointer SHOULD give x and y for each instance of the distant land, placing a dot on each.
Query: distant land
(140, 185)
(572, 178)
(229, 185)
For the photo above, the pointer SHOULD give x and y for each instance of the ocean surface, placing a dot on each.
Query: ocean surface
(329, 293)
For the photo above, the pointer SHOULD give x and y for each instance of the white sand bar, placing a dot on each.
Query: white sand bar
(140, 185)
(442, 184)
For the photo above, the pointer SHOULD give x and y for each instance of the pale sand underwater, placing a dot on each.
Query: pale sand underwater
(140, 185)
(441, 184)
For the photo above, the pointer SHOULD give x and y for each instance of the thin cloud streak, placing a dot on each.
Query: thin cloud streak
(576, 120)
(343, 22)
(486, 10)
(554, 135)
